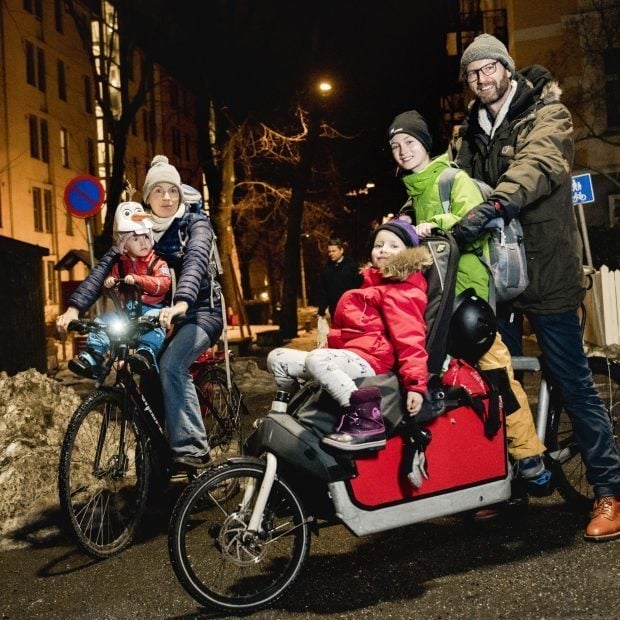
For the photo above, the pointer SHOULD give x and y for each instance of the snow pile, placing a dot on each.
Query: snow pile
(34, 414)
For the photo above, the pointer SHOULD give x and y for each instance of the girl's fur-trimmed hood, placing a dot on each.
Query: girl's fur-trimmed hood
(400, 266)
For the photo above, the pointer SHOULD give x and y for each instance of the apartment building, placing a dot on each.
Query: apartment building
(51, 129)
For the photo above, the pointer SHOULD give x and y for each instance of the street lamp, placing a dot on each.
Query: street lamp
(325, 88)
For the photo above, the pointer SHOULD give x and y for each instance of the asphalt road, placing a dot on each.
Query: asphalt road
(525, 565)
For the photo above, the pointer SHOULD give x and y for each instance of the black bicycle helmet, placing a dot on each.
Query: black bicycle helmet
(472, 327)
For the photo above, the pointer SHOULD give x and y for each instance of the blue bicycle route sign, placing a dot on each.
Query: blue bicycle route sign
(84, 196)
(583, 192)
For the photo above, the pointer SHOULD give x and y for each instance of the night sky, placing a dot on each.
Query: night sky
(260, 57)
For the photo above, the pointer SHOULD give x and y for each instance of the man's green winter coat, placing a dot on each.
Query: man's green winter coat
(423, 189)
(528, 161)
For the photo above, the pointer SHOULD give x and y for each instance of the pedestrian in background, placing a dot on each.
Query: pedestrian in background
(341, 274)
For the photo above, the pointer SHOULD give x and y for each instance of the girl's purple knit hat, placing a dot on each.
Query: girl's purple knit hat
(403, 230)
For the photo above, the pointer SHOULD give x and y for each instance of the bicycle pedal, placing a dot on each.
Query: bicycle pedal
(543, 486)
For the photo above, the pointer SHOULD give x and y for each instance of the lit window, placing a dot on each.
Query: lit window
(64, 147)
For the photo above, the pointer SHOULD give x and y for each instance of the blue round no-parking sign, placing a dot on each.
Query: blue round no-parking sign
(84, 196)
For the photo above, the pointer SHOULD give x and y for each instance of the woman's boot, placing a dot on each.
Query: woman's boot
(361, 426)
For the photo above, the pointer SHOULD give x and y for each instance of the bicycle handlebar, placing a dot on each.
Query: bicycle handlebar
(142, 324)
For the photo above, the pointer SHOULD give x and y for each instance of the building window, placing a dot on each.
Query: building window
(88, 96)
(35, 66)
(176, 141)
(52, 282)
(64, 147)
(34, 7)
(39, 139)
(612, 87)
(62, 81)
(48, 211)
(31, 65)
(90, 154)
(45, 144)
(38, 209)
(58, 14)
(43, 210)
(41, 69)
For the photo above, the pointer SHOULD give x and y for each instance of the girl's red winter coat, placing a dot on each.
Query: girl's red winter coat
(383, 321)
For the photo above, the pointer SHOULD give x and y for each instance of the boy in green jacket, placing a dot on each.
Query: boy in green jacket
(411, 142)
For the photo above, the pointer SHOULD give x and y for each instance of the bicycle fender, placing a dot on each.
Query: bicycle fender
(245, 460)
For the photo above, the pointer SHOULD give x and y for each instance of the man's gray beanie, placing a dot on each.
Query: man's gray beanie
(486, 46)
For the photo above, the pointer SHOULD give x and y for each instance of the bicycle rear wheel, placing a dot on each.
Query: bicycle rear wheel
(569, 469)
(103, 477)
(222, 413)
(218, 561)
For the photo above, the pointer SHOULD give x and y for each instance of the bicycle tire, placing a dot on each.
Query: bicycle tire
(570, 470)
(222, 412)
(218, 562)
(103, 499)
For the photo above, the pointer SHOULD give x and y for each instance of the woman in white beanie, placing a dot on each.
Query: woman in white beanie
(185, 240)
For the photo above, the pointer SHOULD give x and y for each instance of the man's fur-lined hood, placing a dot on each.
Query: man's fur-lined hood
(400, 266)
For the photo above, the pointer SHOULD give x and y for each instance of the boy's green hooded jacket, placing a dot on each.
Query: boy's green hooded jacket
(423, 189)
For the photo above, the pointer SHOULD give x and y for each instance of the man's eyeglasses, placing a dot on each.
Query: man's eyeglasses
(472, 76)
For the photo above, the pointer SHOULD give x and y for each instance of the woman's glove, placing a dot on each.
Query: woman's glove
(471, 225)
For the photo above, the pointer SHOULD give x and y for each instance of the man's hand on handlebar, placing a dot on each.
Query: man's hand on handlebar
(167, 314)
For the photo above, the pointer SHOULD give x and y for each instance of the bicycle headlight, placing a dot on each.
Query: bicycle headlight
(118, 327)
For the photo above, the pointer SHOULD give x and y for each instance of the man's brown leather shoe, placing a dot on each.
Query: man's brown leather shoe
(605, 523)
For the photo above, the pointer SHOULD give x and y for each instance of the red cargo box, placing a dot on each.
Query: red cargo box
(458, 456)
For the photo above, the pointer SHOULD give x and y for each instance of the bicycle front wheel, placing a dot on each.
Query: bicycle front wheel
(103, 476)
(568, 466)
(222, 413)
(218, 561)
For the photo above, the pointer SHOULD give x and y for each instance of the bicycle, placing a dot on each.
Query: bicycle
(554, 427)
(115, 453)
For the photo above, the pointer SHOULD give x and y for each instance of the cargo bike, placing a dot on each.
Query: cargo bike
(240, 533)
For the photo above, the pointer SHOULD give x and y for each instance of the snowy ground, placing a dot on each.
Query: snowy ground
(34, 413)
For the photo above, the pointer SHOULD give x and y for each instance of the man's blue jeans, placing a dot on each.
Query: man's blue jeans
(559, 337)
(186, 431)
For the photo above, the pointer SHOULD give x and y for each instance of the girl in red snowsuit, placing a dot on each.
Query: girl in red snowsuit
(377, 328)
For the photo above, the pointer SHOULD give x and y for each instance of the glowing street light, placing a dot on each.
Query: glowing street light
(325, 87)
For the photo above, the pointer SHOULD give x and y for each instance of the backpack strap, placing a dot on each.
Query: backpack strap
(151, 267)
(445, 182)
